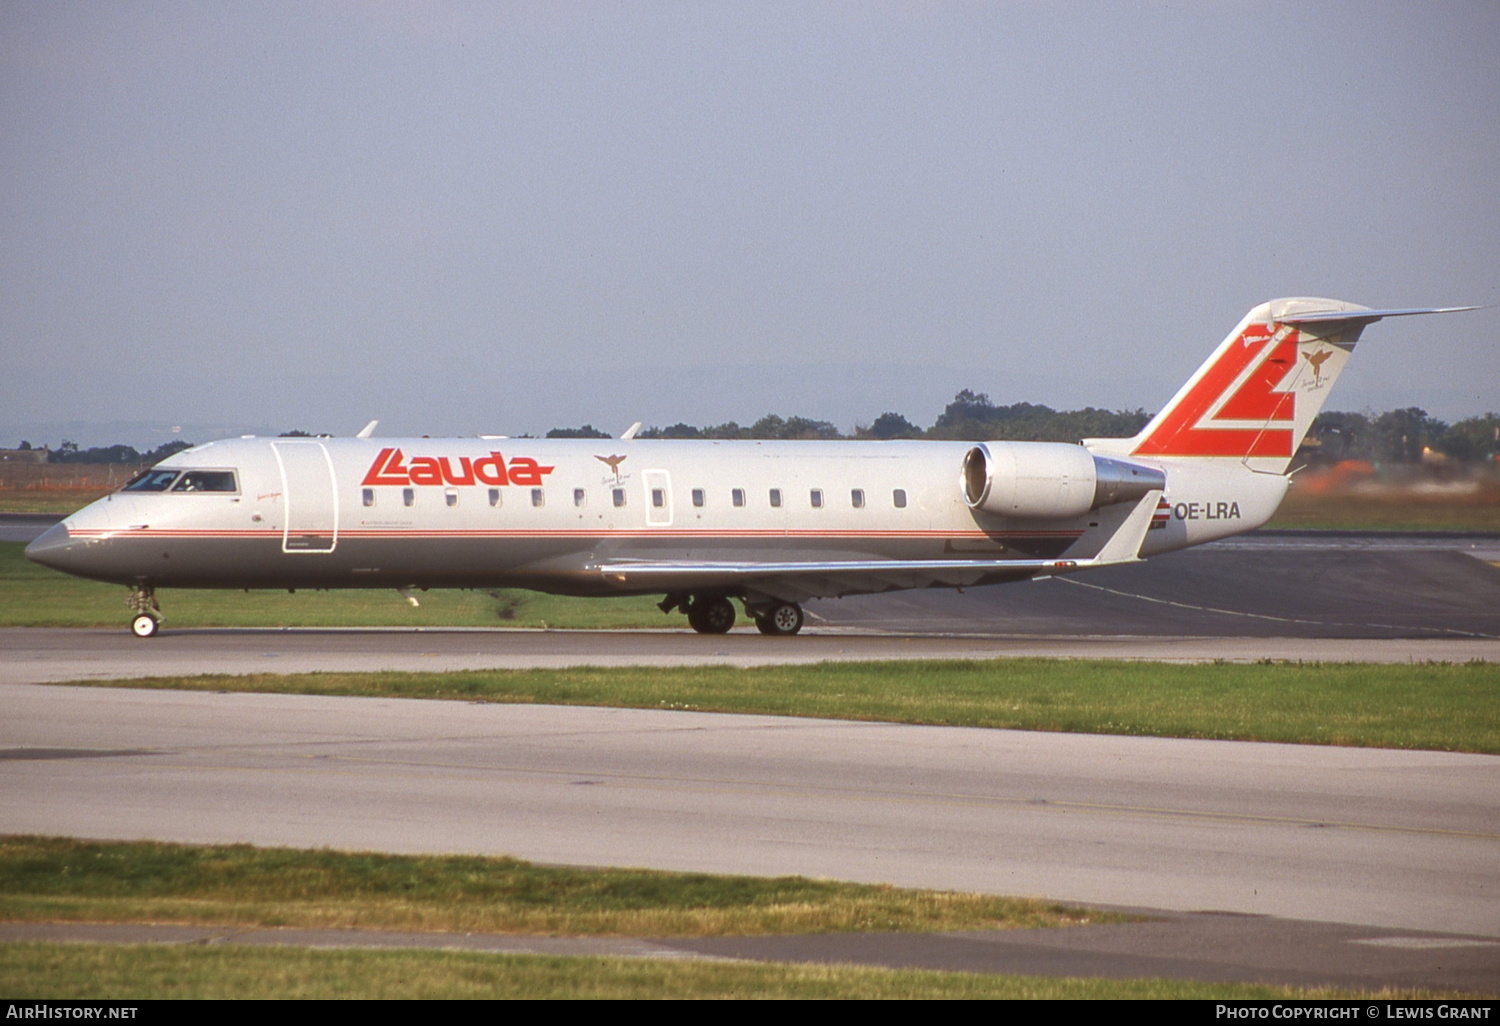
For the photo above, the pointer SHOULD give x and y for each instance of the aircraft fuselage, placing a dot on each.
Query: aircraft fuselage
(549, 514)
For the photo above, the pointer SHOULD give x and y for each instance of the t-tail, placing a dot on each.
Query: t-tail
(1255, 398)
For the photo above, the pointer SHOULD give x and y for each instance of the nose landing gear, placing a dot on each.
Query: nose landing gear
(147, 619)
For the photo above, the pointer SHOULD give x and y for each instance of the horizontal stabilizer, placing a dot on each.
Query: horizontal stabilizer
(1364, 317)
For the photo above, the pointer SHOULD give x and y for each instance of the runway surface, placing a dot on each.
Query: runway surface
(1382, 838)
(1290, 585)
(29, 655)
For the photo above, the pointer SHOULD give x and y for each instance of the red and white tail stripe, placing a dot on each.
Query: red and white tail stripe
(1240, 404)
(1256, 396)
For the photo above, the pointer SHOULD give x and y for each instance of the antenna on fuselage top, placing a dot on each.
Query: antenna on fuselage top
(630, 432)
(367, 430)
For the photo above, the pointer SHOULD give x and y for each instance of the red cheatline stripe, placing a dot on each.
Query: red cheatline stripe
(543, 535)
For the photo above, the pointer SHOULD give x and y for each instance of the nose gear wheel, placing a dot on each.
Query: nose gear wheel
(147, 619)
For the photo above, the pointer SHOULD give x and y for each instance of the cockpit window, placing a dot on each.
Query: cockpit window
(206, 481)
(183, 481)
(152, 481)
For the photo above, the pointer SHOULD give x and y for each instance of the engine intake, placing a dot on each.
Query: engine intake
(1050, 480)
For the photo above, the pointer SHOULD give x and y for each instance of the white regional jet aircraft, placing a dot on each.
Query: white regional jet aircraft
(769, 523)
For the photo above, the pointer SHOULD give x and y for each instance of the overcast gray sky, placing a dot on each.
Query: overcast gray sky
(489, 217)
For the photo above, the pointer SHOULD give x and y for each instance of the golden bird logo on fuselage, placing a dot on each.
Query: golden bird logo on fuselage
(613, 462)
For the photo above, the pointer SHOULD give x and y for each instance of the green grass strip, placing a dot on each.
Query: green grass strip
(1438, 706)
(147, 972)
(1404, 510)
(63, 880)
(36, 501)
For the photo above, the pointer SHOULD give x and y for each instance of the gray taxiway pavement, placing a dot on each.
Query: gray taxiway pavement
(1390, 838)
(1250, 846)
(31, 655)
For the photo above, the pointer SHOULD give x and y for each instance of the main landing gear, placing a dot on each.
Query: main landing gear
(147, 619)
(783, 619)
(714, 614)
(710, 614)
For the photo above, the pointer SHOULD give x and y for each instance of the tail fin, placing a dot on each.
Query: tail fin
(1256, 396)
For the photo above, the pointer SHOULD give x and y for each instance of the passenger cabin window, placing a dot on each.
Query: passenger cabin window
(408, 497)
(450, 496)
(659, 497)
(367, 496)
(817, 498)
(738, 496)
(494, 496)
(538, 498)
(857, 498)
(619, 496)
(579, 497)
(775, 498)
(697, 496)
(206, 481)
(151, 481)
(899, 498)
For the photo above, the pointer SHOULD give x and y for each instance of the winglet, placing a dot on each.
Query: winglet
(367, 430)
(630, 432)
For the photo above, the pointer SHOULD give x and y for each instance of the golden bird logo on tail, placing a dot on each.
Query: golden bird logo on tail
(1317, 360)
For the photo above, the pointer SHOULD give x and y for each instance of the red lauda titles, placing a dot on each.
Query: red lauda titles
(388, 469)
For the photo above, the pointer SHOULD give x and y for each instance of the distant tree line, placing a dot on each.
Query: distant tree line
(970, 417)
(1403, 436)
(1398, 436)
(70, 452)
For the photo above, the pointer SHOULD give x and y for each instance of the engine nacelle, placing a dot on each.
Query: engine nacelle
(1050, 480)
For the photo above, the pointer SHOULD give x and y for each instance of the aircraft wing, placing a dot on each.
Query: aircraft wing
(798, 581)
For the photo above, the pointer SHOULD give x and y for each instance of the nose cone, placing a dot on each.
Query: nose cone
(57, 549)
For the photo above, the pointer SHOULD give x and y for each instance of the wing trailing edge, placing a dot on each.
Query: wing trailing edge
(836, 577)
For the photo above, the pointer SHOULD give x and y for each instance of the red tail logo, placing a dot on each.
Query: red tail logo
(1199, 424)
